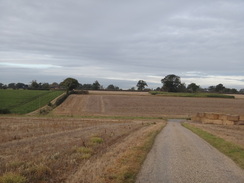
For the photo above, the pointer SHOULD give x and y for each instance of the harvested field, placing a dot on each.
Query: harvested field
(231, 133)
(146, 106)
(56, 149)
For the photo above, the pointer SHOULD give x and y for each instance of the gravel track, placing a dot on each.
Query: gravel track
(179, 155)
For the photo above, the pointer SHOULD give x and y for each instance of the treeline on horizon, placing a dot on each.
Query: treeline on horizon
(171, 83)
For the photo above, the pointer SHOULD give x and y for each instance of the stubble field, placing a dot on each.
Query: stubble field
(67, 149)
(145, 105)
(88, 137)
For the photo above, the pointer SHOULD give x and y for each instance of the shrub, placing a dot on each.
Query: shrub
(4, 111)
(61, 99)
(84, 150)
(12, 178)
(96, 140)
(38, 172)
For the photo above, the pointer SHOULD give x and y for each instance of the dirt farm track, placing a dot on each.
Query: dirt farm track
(100, 104)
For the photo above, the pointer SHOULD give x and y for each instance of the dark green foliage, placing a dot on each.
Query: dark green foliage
(70, 84)
(61, 99)
(141, 85)
(96, 85)
(171, 83)
(193, 88)
(4, 111)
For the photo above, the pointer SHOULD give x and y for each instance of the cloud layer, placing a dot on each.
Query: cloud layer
(122, 41)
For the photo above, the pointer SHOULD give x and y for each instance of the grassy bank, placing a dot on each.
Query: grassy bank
(129, 165)
(235, 152)
(25, 101)
(172, 94)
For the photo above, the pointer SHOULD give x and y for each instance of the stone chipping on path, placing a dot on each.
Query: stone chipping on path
(179, 155)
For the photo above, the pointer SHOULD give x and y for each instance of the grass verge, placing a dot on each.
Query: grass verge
(235, 152)
(109, 117)
(129, 165)
(199, 95)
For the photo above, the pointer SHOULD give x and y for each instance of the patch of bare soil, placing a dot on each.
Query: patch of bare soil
(148, 106)
(52, 149)
(231, 133)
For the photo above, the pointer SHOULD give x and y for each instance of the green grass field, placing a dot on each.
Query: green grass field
(25, 101)
(173, 94)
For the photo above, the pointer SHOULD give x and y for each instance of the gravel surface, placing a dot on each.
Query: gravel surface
(179, 155)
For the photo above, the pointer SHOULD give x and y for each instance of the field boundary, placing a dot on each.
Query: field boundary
(48, 107)
(234, 151)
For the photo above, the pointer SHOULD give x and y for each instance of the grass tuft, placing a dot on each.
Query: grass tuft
(12, 178)
(235, 152)
(96, 140)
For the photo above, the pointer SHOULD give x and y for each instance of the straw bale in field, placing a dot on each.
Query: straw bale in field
(241, 117)
(223, 116)
(233, 117)
(200, 114)
(227, 122)
(207, 121)
(196, 118)
(218, 122)
(213, 116)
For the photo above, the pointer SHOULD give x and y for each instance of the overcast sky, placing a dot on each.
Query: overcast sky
(120, 42)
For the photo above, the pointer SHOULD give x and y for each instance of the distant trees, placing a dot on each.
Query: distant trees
(96, 85)
(172, 83)
(242, 91)
(3, 86)
(220, 88)
(69, 84)
(141, 85)
(111, 87)
(193, 88)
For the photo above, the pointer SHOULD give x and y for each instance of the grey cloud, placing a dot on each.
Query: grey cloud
(147, 38)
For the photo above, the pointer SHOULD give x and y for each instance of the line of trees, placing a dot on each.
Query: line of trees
(70, 83)
(171, 83)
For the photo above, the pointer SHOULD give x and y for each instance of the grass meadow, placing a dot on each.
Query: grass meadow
(25, 101)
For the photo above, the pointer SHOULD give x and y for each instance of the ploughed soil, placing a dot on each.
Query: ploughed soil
(231, 133)
(145, 105)
(54, 149)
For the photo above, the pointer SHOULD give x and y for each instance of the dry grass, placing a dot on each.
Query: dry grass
(146, 106)
(52, 149)
(231, 133)
(121, 161)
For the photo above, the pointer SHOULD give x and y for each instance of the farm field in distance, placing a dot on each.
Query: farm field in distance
(101, 104)
(25, 101)
(88, 137)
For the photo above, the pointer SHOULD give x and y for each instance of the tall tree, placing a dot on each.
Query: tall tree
(193, 88)
(69, 84)
(171, 83)
(96, 85)
(112, 87)
(141, 85)
(220, 88)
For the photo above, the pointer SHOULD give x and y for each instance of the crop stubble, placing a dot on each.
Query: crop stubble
(52, 142)
(147, 106)
(28, 143)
